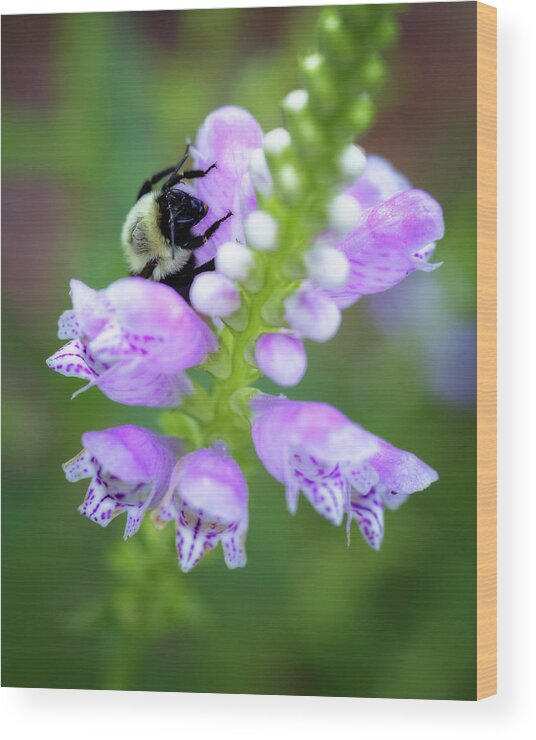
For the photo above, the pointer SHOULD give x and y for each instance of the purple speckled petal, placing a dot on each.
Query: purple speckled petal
(227, 137)
(80, 466)
(326, 489)
(389, 243)
(72, 361)
(367, 510)
(379, 182)
(99, 506)
(68, 326)
(233, 543)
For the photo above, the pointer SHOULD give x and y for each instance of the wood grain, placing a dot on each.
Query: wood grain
(486, 350)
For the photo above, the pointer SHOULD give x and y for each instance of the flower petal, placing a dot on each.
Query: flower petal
(193, 541)
(234, 551)
(385, 246)
(367, 510)
(400, 471)
(157, 323)
(71, 360)
(209, 480)
(68, 326)
(282, 427)
(99, 506)
(79, 467)
(328, 494)
(90, 308)
(133, 453)
(228, 137)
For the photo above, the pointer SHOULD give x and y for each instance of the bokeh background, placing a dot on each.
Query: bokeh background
(92, 104)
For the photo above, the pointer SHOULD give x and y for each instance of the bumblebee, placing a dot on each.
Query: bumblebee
(157, 235)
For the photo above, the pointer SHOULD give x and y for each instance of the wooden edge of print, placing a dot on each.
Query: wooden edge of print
(486, 351)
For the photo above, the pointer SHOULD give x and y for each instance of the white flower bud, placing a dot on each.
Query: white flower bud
(260, 173)
(282, 358)
(352, 163)
(312, 62)
(344, 214)
(312, 314)
(296, 100)
(214, 295)
(234, 260)
(276, 141)
(288, 178)
(328, 267)
(261, 231)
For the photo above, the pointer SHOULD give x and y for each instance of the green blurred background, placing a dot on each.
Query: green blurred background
(92, 104)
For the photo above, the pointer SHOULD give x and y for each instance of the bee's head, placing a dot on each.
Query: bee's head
(185, 210)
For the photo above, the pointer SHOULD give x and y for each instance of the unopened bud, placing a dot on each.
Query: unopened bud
(261, 231)
(235, 261)
(296, 101)
(344, 214)
(276, 142)
(214, 295)
(260, 173)
(328, 267)
(281, 358)
(352, 163)
(312, 314)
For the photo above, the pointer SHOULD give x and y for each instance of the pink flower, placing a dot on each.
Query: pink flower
(134, 340)
(341, 468)
(392, 240)
(129, 468)
(208, 499)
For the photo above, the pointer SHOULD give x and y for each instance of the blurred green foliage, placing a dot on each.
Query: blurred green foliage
(93, 103)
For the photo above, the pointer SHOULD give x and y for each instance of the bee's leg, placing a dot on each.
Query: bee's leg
(197, 241)
(192, 174)
(148, 184)
(188, 175)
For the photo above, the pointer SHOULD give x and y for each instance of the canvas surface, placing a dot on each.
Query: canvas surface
(92, 105)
